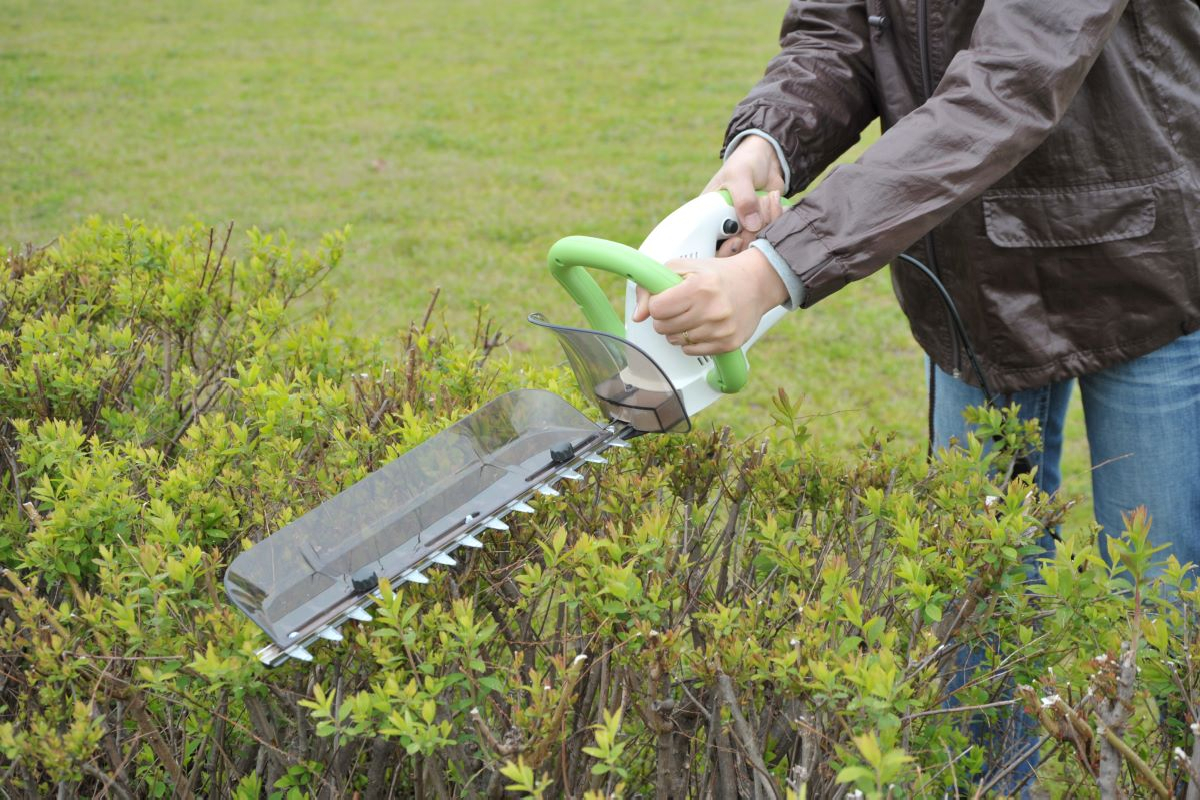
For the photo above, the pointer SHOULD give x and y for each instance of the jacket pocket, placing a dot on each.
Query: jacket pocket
(1068, 217)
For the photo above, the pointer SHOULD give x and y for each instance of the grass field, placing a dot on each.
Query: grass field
(459, 140)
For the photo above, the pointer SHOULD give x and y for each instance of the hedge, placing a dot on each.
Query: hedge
(704, 616)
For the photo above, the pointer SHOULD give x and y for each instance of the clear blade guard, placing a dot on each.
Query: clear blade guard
(323, 568)
(625, 383)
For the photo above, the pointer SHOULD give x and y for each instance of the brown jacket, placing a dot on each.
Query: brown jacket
(1050, 149)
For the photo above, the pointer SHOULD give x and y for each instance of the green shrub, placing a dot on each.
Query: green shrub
(702, 616)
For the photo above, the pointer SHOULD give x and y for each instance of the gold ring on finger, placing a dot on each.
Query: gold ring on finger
(687, 339)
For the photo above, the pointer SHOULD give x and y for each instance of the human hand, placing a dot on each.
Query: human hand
(719, 304)
(751, 167)
(769, 209)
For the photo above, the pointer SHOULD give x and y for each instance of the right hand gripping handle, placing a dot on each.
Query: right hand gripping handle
(569, 260)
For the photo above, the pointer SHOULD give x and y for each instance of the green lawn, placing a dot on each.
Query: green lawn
(459, 140)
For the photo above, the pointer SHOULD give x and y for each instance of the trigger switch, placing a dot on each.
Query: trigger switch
(730, 227)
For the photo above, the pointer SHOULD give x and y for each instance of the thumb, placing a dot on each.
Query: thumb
(745, 203)
(642, 310)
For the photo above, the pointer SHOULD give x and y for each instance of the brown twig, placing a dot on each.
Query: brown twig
(746, 738)
(485, 733)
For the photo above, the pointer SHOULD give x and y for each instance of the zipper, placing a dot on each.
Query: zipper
(923, 47)
(927, 89)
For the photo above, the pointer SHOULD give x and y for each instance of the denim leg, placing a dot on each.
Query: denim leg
(1017, 732)
(1047, 404)
(1143, 426)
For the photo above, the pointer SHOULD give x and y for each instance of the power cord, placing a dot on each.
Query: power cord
(1021, 464)
(959, 329)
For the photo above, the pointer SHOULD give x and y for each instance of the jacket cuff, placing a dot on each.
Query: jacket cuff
(800, 167)
(801, 247)
(791, 280)
(783, 164)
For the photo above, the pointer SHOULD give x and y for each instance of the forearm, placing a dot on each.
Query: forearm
(815, 97)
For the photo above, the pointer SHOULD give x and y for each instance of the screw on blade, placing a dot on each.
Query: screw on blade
(523, 507)
(415, 576)
(571, 475)
(470, 541)
(562, 452)
(332, 634)
(364, 580)
(548, 490)
(444, 559)
(593, 458)
(359, 613)
(300, 653)
(495, 524)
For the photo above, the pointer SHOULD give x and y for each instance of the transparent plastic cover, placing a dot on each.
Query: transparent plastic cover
(620, 378)
(397, 517)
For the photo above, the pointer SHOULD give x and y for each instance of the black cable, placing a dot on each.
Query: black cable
(956, 321)
(1021, 465)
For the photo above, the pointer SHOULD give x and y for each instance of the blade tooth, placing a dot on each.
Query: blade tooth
(621, 443)
(300, 653)
(470, 541)
(523, 507)
(495, 524)
(444, 559)
(415, 576)
(548, 490)
(571, 475)
(331, 634)
(359, 613)
(593, 458)
(268, 654)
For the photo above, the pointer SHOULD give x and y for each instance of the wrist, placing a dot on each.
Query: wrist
(767, 288)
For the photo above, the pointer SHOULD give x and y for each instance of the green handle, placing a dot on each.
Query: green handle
(570, 258)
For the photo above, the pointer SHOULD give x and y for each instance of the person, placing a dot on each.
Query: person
(1043, 160)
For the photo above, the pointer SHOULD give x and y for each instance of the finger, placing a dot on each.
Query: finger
(689, 322)
(700, 322)
(745, 203)
(706, 349)
(667, 305)
(641, 309)
(773, 206)
(681, 266)
(770, 207)
(734, 244)
(705, 340)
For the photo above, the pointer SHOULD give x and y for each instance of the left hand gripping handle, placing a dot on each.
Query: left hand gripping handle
(572, 257)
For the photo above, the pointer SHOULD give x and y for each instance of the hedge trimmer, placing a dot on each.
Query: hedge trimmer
(303, 582)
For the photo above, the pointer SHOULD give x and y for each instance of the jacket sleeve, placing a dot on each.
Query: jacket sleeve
(816, 95)
(998, 100)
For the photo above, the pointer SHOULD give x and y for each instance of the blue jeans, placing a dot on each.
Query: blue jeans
(1143, 429)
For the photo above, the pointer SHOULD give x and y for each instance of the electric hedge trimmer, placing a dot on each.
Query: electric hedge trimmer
(304, 581)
